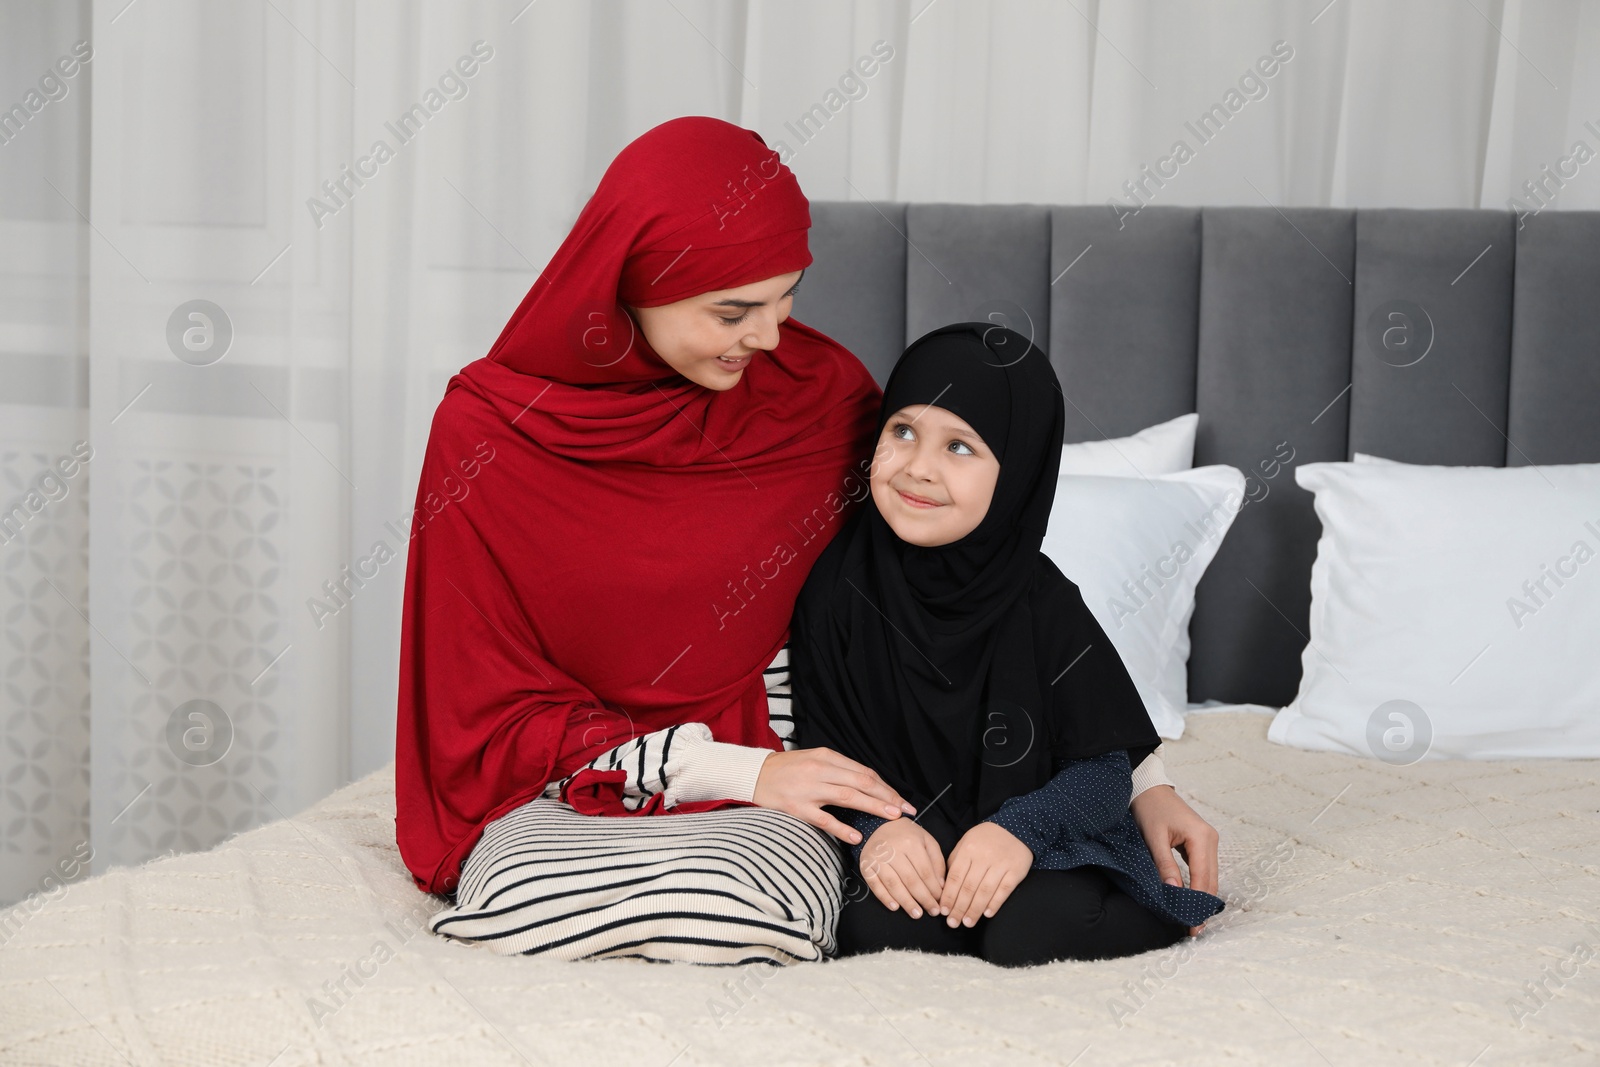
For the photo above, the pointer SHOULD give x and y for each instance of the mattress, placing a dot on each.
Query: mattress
(1442, 913)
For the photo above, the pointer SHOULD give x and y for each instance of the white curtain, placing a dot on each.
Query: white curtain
(227, 317)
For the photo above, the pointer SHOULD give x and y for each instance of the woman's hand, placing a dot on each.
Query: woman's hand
(1168, 823)
(985, 866)
(902, 865)
(802, 780)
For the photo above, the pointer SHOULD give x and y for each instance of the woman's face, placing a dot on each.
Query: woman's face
(711, 338)
(932, 457)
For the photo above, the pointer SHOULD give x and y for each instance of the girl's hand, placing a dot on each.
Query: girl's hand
(902, 865)
(1168, 823)
(802, 780)
(985, 866)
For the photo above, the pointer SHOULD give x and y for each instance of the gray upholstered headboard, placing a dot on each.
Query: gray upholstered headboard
(1426, 336)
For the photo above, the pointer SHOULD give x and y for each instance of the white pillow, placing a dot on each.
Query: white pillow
(1109, 534)
(1165, 448)
(1431, 635)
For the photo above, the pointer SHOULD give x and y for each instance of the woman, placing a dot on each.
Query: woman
(933, 640)
(651, 487)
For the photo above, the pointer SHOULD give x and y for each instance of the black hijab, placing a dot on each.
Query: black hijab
(963, 672)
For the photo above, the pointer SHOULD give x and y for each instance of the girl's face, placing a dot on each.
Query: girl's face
(933, 476)
(711, 338)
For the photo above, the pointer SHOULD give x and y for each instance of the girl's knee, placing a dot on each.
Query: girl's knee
(1077, 896)
(1061, 915)
(868, 926)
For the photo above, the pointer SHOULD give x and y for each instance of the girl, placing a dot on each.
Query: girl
(934, 642)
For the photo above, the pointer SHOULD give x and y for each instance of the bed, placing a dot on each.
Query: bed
(1436, 913)
(1376, 914)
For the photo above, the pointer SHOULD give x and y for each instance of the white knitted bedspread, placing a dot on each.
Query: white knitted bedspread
(1444, 913)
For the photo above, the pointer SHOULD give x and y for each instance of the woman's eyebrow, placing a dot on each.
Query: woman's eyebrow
(733, 303)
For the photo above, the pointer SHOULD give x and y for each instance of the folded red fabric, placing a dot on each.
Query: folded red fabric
(592, 791)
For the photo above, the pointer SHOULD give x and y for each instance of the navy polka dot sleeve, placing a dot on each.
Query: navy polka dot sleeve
(1085, 797)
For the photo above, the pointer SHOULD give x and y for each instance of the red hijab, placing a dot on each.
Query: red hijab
(602, 548)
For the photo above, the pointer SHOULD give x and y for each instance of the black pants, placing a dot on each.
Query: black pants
(1078, 914)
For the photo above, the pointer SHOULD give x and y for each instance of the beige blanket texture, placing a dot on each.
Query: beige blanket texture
(1441, 913)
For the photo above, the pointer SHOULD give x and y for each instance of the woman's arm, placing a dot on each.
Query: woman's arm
(685, 764)
(1167, 823)
(1148, 770)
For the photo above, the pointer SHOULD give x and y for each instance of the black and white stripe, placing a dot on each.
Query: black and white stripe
(717, 887)
(722, 887)
(780, 704)
(645, 757)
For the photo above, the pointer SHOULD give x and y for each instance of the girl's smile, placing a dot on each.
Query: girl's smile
(917, 501)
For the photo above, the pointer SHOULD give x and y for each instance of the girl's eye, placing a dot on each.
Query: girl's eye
(907, 426)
